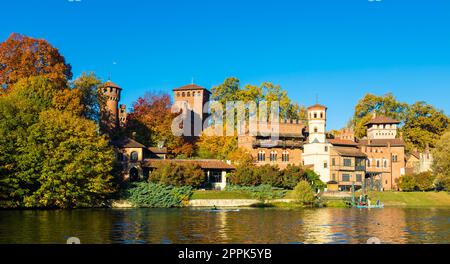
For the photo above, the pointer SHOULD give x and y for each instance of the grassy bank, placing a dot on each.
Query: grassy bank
(413, 199)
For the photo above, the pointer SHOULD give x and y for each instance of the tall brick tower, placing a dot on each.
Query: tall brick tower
(195, 96)
(110, 113)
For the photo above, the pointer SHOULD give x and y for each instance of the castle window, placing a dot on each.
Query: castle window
(378, 163)
(358, 177)
(346, 177)
(333, 162)
(188, 94)
(134, 156)
(385, 163)
(321, 115)
(273, 156)
(333, 177)
(285, 156)
(315, 130)
(183, 94)
(326, 148)
(325, 165)
(347, 162)
(315, 115)
(368, 163)
(394, 158)
(261, 156)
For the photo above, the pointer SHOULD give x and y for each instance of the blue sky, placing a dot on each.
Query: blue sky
(338, 49)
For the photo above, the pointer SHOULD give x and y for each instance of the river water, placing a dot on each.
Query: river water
(258, 225)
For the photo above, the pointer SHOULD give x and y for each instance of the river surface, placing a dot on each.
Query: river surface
(262, 225)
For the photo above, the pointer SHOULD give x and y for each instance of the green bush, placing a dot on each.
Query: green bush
(292, 175)
(407, 183)
(170, 173)
(272, 175)
(245, 176)
(261, 192)
(304, 193)
(144, 194)
(425, 181)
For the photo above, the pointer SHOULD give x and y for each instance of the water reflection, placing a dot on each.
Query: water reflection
(391, 225)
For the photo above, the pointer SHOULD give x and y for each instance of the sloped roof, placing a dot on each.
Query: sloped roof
(203, 163)
(157, 150)
(350, 152)
(111, 84)
(127, 143)
(395, 142)
(317, 106)
(382, 120)
(191, 87)
(342, 142)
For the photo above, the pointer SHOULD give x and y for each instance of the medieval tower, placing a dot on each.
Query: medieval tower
(112, 116)
(316, 150)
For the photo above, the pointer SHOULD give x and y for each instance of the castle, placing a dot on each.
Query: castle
(342, 161)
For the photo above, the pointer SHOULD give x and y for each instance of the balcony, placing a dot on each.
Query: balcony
(268, 143)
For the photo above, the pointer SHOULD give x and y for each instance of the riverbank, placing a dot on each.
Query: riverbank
(412, 199)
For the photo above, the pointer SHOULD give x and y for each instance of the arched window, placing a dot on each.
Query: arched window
(378, 163)
(285, 156)
(273, 156)
(321, 114)
(183, 94)
(315, 115)
(188, 94)
(316, 130)
(385, 163)
(134, 156)
(261, 156)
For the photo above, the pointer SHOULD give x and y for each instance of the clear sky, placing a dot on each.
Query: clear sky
(338, 49)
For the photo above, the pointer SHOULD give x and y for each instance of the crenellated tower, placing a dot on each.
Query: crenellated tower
(112, 117)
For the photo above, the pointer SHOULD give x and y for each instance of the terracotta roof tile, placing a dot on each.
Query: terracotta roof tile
(110, 84)
(190, 87)
(127, 143)
(350, 152)
(396, 142)
(317, 106)
(342, 142)
(157, 150)
(382, 120)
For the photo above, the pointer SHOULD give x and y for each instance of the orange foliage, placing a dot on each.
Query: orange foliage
(22, 56)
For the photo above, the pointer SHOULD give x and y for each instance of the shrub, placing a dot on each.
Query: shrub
(146, 194)
(292, 175)
(270, 175)
(407, 183)
(170, 173)
(304, 193)
(261, 192)
(245, 176)
(425, 181)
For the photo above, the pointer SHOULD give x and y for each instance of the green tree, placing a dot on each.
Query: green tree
(304, 193)
(423, 125)
(386, 105)
(441, 160)
(91, 100)
(174, 174)
(70, 161)
(407, 183)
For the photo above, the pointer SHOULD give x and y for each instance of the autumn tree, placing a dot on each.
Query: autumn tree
(231, 90)
(150, 122)
(50, 157)
(72, 163)
(423, 125)
(441, 161)
(23, 57)
(386, 105)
